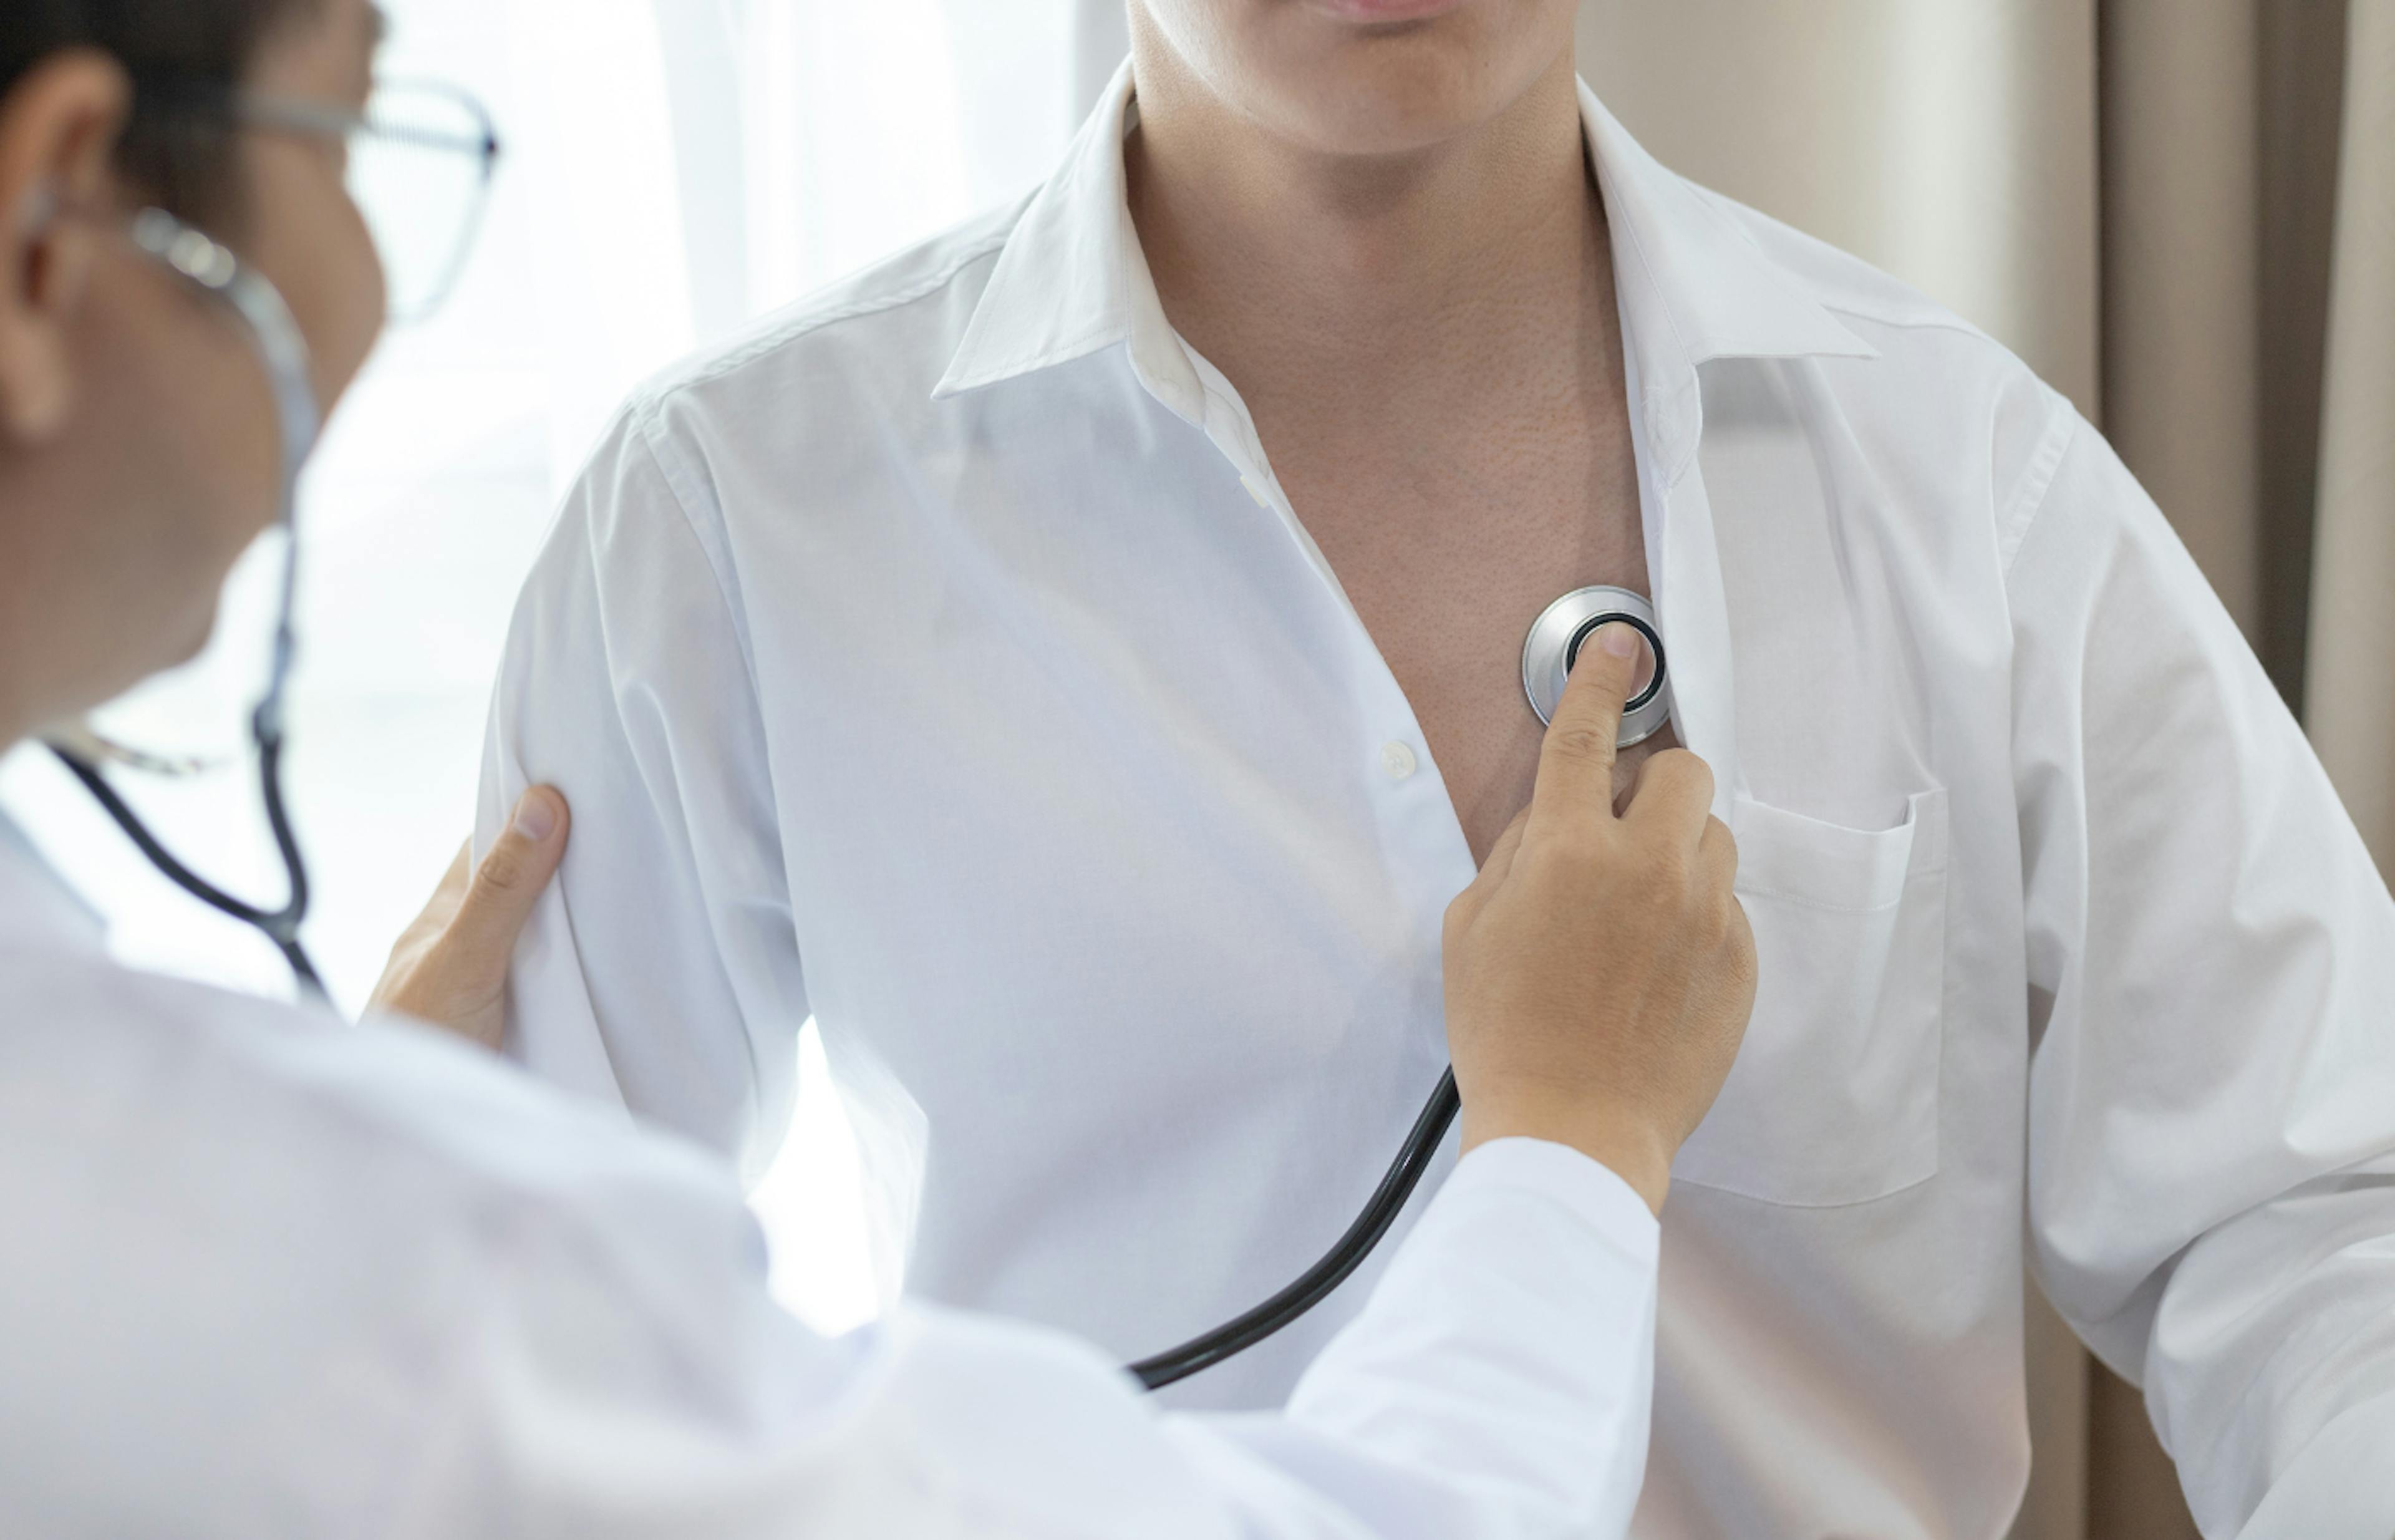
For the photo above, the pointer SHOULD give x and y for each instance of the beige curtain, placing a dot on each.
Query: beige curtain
(2160, 205)
(2350, 702)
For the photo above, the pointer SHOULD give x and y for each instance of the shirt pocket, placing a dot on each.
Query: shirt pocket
(1833, 1098)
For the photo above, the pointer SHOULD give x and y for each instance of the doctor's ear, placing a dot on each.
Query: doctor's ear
(58, 129)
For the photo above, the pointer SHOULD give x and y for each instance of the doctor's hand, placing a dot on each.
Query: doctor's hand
(450, 969)
(1599, 971)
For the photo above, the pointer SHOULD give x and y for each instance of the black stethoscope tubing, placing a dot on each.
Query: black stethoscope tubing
(1314, 1284)
(213, 270)
(279, 925)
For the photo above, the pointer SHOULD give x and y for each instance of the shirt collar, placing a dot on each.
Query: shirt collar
(1071, 278)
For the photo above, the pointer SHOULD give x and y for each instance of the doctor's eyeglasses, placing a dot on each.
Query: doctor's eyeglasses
(419, 164)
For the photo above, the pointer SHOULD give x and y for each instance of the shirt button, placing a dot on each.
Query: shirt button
(1399, 761)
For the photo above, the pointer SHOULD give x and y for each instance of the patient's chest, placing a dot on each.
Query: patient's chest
(1102, 885)
(1448, 573)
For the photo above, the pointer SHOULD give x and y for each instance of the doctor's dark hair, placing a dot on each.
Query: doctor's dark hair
(181, 160)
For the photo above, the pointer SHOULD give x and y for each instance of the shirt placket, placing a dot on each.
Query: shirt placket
(1431, 860)
(1692, 606)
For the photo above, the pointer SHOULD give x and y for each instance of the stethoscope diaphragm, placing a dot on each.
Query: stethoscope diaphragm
(1552, 646)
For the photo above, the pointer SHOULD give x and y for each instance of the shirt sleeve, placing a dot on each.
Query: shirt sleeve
(661, 971)
(2212, 975)
(628, 1377)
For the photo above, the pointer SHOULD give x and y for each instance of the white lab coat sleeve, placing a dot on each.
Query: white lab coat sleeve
(625, 1376)
(661, 971)
(2211, 962)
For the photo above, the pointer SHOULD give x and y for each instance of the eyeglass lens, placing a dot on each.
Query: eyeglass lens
(420, 172)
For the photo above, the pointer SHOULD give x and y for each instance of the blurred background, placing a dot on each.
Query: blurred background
(2182, 212)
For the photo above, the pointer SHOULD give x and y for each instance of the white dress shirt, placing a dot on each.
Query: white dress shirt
(264, 1275)
(946, 661)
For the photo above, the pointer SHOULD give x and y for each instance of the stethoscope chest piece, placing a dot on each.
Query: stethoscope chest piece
(1553, 645)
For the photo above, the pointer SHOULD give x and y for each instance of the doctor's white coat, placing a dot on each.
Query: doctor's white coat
(267, 1275)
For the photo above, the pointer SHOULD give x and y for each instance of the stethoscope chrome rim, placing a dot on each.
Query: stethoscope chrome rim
(1548, 650)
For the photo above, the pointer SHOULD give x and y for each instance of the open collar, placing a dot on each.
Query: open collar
(1071, 279)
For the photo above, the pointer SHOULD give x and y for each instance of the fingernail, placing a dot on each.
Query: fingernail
(535, 819)
(1617, 639)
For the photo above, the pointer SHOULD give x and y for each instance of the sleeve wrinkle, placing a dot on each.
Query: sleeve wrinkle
(2027, 499)
(685, 492)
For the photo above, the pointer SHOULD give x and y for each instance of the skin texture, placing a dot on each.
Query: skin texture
(138, 450)
(1387, 237)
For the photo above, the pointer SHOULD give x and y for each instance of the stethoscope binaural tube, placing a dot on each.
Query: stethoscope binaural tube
(1548, 654)
(216, 272)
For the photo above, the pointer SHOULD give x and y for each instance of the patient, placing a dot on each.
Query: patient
(1235, 463)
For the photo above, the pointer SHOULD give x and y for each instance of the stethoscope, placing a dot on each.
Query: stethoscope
(1548, 654)
(257, 307)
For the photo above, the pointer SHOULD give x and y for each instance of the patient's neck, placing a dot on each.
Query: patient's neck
(1361, 281)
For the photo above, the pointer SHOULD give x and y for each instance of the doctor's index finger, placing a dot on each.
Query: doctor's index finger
(1576, 760)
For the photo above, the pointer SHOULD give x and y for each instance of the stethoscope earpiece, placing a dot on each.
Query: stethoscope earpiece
(282, 351)
(1552, 646)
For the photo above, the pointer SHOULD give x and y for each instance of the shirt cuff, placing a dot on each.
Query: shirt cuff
(1587, 1189)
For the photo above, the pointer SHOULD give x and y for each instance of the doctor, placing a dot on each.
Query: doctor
(264, 1274)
